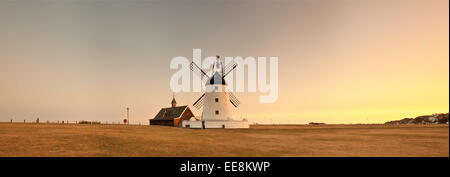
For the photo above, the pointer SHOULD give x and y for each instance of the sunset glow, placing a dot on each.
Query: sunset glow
(349, 61)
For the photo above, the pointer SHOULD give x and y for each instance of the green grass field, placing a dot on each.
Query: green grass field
(18, 139)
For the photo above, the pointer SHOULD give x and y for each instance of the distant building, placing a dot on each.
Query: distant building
(316, 123)
(87, 122)
(427, 119)
(172, 116)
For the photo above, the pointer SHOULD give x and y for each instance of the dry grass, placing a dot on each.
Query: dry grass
(300, 140)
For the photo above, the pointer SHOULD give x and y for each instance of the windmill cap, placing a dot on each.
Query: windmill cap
(216, 79)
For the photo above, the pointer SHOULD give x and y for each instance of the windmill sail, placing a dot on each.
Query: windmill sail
(198, 71)
(229, 68)
(199, 103)
(234, 100)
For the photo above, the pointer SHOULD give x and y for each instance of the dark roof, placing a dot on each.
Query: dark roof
(216, 79)
(170, 113)
(173, 101)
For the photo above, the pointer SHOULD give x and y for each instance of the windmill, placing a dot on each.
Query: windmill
(217, 100)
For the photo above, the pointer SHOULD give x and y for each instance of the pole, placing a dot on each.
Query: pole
(128, 115)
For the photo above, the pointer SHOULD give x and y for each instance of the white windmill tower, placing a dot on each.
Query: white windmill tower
(217, 101)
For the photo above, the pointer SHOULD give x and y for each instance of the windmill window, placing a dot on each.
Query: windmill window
(217, 100)
(217, 112)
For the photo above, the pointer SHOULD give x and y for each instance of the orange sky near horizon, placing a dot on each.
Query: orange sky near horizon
(344, 61)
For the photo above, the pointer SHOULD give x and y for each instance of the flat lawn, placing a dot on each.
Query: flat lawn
(18, 139)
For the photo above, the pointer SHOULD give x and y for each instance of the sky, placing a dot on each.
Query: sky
(340, 61)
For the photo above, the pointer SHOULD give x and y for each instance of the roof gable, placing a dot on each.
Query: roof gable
(170, 113)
